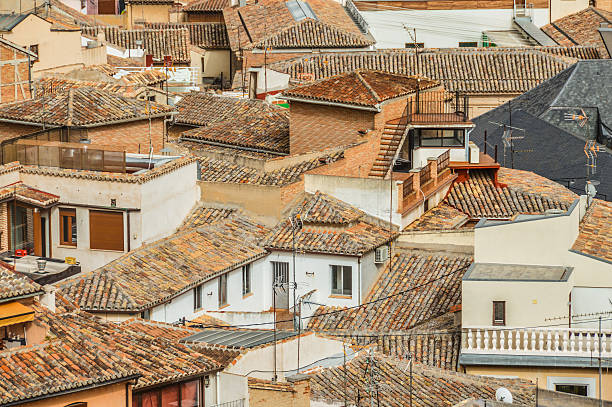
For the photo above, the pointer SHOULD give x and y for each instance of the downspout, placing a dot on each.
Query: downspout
(359, 276)
(128, 230)
(467, 145)
(30, 76)
(217, 389)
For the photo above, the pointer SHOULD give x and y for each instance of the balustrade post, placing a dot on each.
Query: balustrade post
(556, 344)
(511, 339)
(549, 344)
(478, 334)
(502, 340)
(588, 342)
(494, 339)
(579, 338)
(486, 340)
(533, 340)
(469, 339)
(525, 339)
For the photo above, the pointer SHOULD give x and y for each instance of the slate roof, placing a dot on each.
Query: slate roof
(438, 278)
(174, 265)
(10, 21)
(202, 108)
(14, 284)
(580, 29)
(549, 138)
(595, 233)
(206, 6)
(80, 107)
(205, 35)
(158, 42)
(329, 226)
(360, 87)
(472, 70)
(478, 198)
(269, 18)
(267, 131)
(431, 386)
(43, 370)
(214, 170)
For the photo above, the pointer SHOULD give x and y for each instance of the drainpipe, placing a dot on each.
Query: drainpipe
(165, 138)
(359, 277)
(217, 389)
(467, 145)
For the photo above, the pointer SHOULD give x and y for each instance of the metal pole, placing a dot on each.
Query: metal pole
(299, 322)
(410, 380)
(599, 358)
(274, 311)
(345, 377)
(293, 225)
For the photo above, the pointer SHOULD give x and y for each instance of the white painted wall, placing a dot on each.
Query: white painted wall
(233, 387)
(592, 300)
(420, 155)
(453, 237)
(440, 28)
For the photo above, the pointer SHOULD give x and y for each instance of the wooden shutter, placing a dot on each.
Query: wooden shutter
(106, 230)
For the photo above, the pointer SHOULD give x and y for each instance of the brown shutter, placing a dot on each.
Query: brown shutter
(106, 230)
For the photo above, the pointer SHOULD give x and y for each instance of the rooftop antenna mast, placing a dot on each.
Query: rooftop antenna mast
(590, 147)
(508, 139)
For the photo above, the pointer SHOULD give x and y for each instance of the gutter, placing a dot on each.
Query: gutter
(21, 297)
(376, 108)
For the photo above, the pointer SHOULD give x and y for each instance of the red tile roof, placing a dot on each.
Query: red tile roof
(203, 215)
(206, 6)
(440, 217)
(14, 284)
(580, 29)
(28, 195)
(360, 87)
(595, 233)
(205, 35)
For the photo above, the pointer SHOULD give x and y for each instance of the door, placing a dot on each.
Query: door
(38, 234)
(280, 270)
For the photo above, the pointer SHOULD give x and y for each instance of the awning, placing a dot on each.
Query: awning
(14, 312)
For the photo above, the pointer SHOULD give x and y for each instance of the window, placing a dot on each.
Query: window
(34, 49)
(439, 138)
(246, 279)
(68, 227)
(197, 298)
(413, 45)
(300, 10)
(581, 386)
(106, 230)
(146, 314)
(468, 44)
(186, 394)
(223, 290)
(499, 313)
(342, 280)
(578, 389)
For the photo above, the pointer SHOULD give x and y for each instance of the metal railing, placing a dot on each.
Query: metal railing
(442, 161)
(234, 403)
(437, 107)
(407, 186)
(353, 11)
(425, 174)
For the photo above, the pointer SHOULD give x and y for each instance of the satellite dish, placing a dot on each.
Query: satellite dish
(502, 394)
(590, 189)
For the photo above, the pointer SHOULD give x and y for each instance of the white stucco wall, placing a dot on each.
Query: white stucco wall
(420, 155)
(440, 28)
(232, 387)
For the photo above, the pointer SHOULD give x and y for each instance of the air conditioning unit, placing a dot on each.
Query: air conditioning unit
(381, 254)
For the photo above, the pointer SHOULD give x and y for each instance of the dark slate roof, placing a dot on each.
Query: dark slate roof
(237, 338)
(430, 386)
(9, 21)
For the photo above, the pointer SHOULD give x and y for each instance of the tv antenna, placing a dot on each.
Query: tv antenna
(508, 138)
(590, 147)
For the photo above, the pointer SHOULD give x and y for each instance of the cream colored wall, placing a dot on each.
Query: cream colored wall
(151, 13)
(542, 374)
(482, 104)
(527, 303)
(215, 63)
(262, 200)
(58, 50)
(111, 395)
(461, 237)
(562, 8)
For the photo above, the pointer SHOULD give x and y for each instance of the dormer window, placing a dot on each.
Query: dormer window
(300, 10)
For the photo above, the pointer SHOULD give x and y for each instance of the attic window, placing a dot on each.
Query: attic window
(300, 10)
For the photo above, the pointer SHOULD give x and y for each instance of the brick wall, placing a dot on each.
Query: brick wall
(298, 396)
(14, 78)
(134, 136)
(11, 130)
(315, 127)
(205, 17)
(4, 230)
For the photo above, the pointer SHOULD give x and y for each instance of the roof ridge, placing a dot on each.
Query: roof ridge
(367, 85)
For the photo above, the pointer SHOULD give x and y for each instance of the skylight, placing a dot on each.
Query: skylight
(300, 10)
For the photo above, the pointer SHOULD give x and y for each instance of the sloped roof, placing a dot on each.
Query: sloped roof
(430, 386)
(158, 42)
(174, 265)
(432, 285)
(206, 6)
(27, 194)
(360, 87)
(472, 70)
(205, 35)
(10, 21)
(203, 215)
(14, 284)
(580, 29)
(310, 33)
(268, 131)
(18, 48)
(440, 217)
(82, 106)
(267, 18)
(595, 232)
(330, 226)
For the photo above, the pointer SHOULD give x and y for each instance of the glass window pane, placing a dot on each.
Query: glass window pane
(190, 394)
(169, 396)
(336, 282)
(73, 229)
(347, 276)
(430, 138)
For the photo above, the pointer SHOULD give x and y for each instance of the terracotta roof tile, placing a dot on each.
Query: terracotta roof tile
(206, 6)
(80, 106)
(174, 264)
(595, 233)
(267, 131)
(203, 215)
(158, 42)
(329, 226)
(471, 70)
(360, 87)
(440, 217)
(580, 29)
(14, 284)
(27, 194)
(260, 384)
(430, 386)
(205, 35)
(405, 311)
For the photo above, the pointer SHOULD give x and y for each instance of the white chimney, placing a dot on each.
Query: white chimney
(47, 300)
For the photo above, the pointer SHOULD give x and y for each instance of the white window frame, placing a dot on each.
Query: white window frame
(246, 279)
(590, 382)
(222, 288)
(343, 269)
(197, 297)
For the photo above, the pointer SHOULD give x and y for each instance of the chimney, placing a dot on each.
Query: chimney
(47, 300)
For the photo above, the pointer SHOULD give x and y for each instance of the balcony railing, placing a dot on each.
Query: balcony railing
(437, 107)
(233, 403)
(540, 341)
(425, 174)
(442, 161)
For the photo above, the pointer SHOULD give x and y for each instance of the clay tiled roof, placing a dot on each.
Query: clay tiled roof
(440, 217)
(430, 386)
(40, 371)
(310, 33)
(223, 171)
(153, 2)
(432, 285)
(270, 18)
(361, 87)
(260, 384)
(80, 107)
(29, 195)
(329, 226)
(205, 35)
(174, 265)
(72, 15)
(13, 284)
(154, 354)
(203, 215)
(595, 236)
(158, 42)
(120, 61)
(267, 131)
(202, 109)
(580, 29)
(478, 197)
(206, 6)
(50, 85)
(473, 70)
